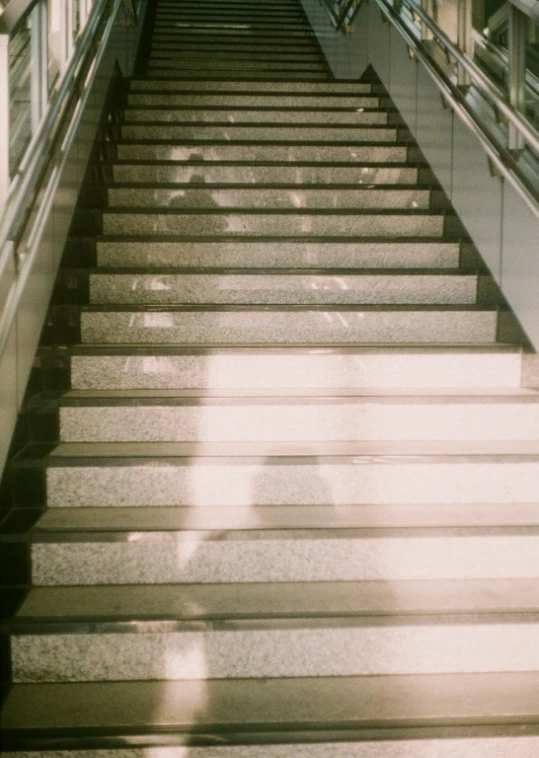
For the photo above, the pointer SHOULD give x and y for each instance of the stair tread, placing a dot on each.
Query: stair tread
(287, 705)
(285, 273)
(336, 396)
(280, 600)
(334, 87)
(414, 348)
(274, 521)
(351, 452)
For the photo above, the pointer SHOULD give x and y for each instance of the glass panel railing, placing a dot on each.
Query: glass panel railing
(484, 57)
(20, 105)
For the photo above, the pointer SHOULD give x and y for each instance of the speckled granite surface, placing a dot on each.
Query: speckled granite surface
(328, 88)
(236, 369)
(291, 116)
(489, 747)
(279, 254)
(357, 154)
(252, 100)
(285, 197)
(255, 174)
(311, 133)
(300, 421)
(292, 289)
(288, 556)
(363, 650)
(341, 481)
(287, 327)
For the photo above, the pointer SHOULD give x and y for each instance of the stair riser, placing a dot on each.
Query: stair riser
(279, 254)
(224, 72)
(252, 174)
(298, 99)
(202, 482)
(229, 22)
(283, 47)
(284, 560)
(221, 51)
(489, 747)
(298, 88)
(269, 198)
(216, 62)
(273, 370)
(359, 155)
(288, 328)
(184, 31)
(296, 224)
(271, 133)
(280, 423)
(244, 116)
(314, 289)
(363, 651)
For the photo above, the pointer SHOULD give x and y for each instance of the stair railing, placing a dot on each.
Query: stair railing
(497, 118)
(341, 12)
(50, 55)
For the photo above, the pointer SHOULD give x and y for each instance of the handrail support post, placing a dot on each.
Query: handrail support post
(39, 61)
(464, 39)
(4, 120)
(428, 7)
(517, 70)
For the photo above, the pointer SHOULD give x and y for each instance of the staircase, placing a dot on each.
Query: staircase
(294, 509)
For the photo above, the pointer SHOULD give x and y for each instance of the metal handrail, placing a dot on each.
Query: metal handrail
(502, 158)
(342, 17)
(36, 155)
(84, 64)
(349, 13)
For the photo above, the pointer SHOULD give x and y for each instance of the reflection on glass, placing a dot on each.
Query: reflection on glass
(532, 71)
(20, 95)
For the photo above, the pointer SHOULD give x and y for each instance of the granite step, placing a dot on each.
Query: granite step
(295, 473)
(318, 118)
(95, 367)
(132, 416)
(222, 44)
(230, 19)
(284, 16)
(219, 67)
(124, 557)
(222, 71)
(212, 94)
(299, 174)
(198, 153)
(177, 34)
(268, 254)
(305, 57)
(268, 132)
(238, 222)
(248, 287)
(194, 650)
(350, 717)
(285, 196)
(211, 62)
(173, 85)
(230, 13)
(279, 325)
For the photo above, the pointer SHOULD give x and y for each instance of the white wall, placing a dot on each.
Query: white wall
(503, 228)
